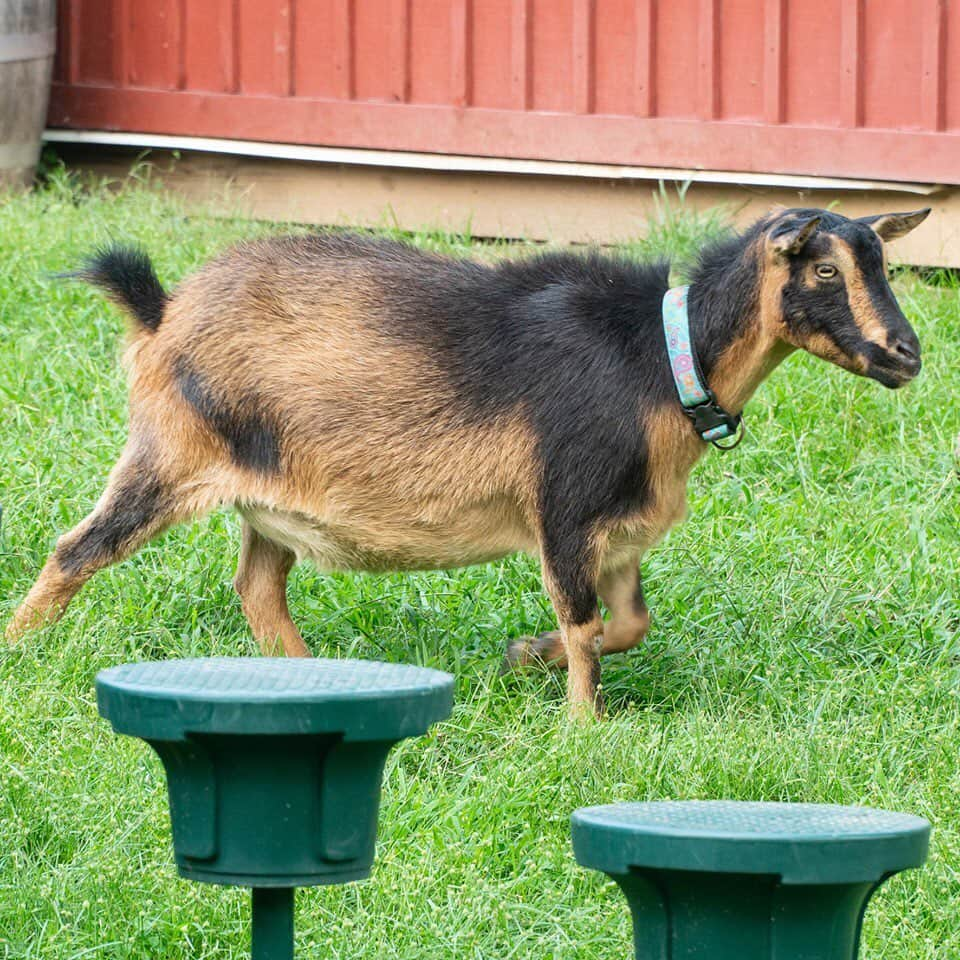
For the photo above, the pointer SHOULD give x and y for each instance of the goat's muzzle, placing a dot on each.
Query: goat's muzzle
(898, 364)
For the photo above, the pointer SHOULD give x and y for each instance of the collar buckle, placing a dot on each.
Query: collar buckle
(711, 421)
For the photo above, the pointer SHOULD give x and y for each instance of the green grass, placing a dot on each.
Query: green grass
(805, 647)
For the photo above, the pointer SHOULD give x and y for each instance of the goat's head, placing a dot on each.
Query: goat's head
(825, 290)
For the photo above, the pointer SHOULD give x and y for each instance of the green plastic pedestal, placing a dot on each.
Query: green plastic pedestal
(719, 880)
(273, 766)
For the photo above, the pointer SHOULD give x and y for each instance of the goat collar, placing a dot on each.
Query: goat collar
(709, 419)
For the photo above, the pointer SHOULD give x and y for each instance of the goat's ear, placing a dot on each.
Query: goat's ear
(891, 226)
(791, 238)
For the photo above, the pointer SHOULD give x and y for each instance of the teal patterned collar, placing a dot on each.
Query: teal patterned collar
(709, 419)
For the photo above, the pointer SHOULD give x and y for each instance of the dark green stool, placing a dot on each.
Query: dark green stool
(719, 880)
(273, 766)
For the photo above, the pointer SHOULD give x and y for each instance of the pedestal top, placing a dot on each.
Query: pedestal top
(799, 842)
(363, 700)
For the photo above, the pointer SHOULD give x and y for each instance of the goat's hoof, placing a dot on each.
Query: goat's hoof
(543, 651)
(518, 655)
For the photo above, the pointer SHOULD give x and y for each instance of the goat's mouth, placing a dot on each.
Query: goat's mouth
(893, 371)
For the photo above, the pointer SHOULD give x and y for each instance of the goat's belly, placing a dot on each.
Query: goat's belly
(387, 544)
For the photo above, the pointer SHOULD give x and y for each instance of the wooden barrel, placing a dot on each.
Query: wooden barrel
(27, 45)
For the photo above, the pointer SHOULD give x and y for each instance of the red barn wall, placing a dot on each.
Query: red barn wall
(841, 88)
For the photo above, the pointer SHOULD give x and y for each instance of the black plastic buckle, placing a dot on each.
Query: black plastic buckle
(709, 415)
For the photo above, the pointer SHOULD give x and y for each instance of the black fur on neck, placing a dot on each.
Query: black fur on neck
(724, 294)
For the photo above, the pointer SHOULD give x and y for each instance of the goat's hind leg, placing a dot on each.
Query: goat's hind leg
(135, 507)
(261, 581)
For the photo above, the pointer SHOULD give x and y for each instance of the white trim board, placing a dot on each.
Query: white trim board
(452, 163)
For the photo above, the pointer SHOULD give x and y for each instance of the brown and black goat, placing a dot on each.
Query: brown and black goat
(373, 407)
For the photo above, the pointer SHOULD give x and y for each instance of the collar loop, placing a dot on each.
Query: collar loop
(709, 419)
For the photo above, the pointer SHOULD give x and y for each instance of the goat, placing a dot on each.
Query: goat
(371, 406)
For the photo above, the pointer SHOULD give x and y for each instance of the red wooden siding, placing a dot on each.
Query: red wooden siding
(856, 88)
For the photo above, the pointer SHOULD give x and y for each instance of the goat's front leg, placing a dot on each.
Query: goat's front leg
(621, 590)
(570, 578)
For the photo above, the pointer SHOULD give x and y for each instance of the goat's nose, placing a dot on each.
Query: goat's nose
(909, 350)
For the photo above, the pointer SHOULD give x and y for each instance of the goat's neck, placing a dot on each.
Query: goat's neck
(744, 365)
(745, 348)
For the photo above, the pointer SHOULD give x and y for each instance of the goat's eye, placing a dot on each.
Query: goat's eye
(826, 271)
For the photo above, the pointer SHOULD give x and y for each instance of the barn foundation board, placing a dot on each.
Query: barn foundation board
(538, 207)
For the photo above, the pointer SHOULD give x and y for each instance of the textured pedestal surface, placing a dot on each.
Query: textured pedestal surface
(719, 880)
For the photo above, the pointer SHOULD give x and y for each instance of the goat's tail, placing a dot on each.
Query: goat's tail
(128, 277)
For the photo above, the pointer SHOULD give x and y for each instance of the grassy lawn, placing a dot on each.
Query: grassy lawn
(805, 647)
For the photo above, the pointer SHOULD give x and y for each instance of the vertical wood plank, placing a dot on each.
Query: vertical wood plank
(264, 46)
(933, 81)
(175, 36)
(708, 60)
(182, 47)
(321, 48)
(584, 46)
(208, 47)
(151, 38)
(91, 41)
(61, 63)
(645, 59)
(73, 42)
(60, 57)
(344, 59)
(460, 52)
(236, 70)
(851, 63)
(284, 49)
(774, 60)
(291, 49)
(121, 66)
(521, 23)
(400, 50)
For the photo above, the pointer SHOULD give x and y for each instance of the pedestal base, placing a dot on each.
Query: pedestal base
(702, 916)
